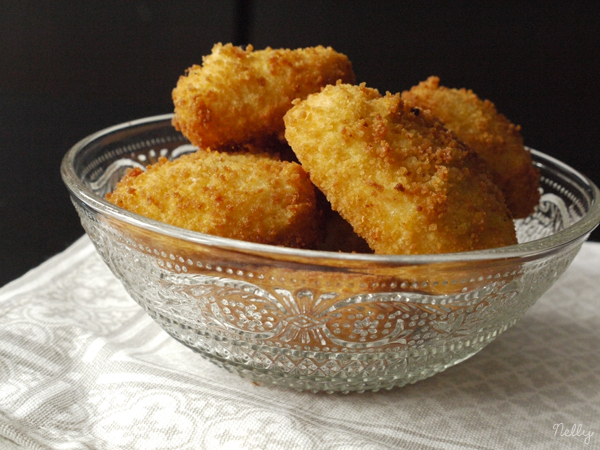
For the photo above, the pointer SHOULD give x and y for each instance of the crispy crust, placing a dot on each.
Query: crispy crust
(499, 142)
(242, 196)
(242, 95)
(403, 181)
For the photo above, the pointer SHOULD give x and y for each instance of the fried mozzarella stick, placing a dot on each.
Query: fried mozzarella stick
(402, 180)
(242, 196)
(499, 142)
(242, 95)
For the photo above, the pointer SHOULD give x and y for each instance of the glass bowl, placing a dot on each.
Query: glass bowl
(315, 320)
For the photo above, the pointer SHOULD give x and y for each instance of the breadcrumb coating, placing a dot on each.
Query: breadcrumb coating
(239, 95)
(499, 142)
(244, 196)
(402, 180)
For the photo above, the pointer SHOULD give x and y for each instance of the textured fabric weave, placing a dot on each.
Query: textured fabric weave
(83, 367)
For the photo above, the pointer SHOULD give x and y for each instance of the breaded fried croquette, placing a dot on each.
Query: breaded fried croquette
(499, 142)
(242, 95)
(242, 196)
(402, 180)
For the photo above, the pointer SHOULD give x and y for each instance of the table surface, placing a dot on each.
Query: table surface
(82, 366)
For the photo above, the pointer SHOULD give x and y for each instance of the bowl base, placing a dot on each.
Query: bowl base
(320, 371)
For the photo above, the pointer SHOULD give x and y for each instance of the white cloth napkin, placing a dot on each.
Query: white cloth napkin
(83, 367)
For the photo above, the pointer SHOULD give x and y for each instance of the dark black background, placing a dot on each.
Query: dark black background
(70, 68)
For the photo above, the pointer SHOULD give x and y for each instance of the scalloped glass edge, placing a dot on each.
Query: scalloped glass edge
(577, 231)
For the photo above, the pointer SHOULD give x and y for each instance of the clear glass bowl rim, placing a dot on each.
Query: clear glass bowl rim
(533, 249)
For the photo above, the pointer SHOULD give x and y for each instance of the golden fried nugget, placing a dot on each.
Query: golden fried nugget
(402, 180)
(242, 196)
(499, 142)
(242, 95)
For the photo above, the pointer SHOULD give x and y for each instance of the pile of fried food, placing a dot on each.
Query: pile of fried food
(292, 152)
